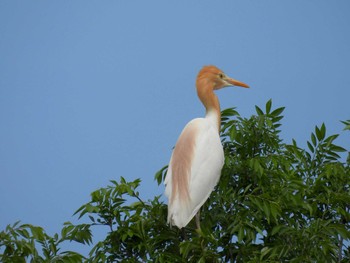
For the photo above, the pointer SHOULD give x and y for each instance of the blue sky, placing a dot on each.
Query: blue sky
(94, 90)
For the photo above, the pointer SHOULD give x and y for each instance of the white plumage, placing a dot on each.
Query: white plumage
(196, 163)
(205, 170)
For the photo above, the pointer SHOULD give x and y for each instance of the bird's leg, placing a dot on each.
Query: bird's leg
(198, 223)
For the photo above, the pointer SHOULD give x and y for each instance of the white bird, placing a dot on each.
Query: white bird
(197, 159)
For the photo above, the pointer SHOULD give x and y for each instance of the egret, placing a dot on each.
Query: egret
(198, 157)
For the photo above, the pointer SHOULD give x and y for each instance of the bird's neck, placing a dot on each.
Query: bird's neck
(211, 104)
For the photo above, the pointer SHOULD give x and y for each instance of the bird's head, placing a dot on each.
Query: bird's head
(216, 79)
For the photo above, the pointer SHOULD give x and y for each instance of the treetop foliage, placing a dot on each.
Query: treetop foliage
(275, 202)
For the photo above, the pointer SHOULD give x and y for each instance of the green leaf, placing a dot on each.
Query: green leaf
(320, 132)
(331, 138)
(229, 112)
(347, 125)
(268, 106)
(277, 119)
(267, 211)
(310, 147)
(92, 218)
(233, 133)
(276, 229)
(341, 230)
(66, 230)
(277, 111)
(337, 148)
(160, 175)
(313, 139)
(332, 156)
(240, 234)
(259, 111)
(247, 188)
(275, 210)
(264, 251)
(323, 130)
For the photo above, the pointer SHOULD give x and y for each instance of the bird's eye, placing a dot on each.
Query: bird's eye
(221, 76)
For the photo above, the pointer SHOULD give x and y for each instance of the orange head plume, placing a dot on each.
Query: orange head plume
(216, 78)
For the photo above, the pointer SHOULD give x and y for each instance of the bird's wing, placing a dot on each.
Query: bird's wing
(193, 172)
(206, 166)
(177, 179)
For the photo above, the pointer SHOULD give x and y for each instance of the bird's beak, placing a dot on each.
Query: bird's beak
(233, 82)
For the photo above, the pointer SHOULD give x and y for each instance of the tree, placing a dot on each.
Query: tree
(275, 202)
